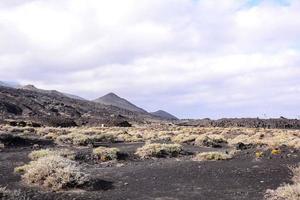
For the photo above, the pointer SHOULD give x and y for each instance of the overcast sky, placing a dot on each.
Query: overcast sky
(193, 58)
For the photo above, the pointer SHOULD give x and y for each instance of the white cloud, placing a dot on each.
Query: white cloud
(194, 58)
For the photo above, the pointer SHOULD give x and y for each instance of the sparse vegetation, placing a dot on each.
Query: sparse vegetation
(35, 155)
(210, 140)
(105, 154)
(159, 150)
(184, 138)
(215, 155)
(55, 168)
(74, 138)
(54, 172)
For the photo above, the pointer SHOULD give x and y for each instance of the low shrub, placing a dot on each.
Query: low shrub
(54, 172)
(159, 150)
(34, 155)
(285, 192)
(215, 141)
(103, 137)
(184, 138)
(105, 154)
(125, 137)
(214, 155)
(275, 151)
(74, 138)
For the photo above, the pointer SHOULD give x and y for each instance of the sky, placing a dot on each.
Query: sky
(192, 58)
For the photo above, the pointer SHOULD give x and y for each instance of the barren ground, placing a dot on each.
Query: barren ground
(243, 177)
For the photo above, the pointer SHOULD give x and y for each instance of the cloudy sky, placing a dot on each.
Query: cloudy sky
(193, 58)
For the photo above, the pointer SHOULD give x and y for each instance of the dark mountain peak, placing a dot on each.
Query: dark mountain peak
(164, 115)
(114, 100)
(111, 94)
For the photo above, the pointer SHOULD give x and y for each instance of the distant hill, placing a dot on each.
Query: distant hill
(33, 88)
(9, 84)
(164, 115)
(115, 100)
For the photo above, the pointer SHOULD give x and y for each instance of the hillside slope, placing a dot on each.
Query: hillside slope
(164, 115)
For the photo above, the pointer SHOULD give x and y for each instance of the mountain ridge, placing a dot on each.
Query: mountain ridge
(33, 88)
(56, 110)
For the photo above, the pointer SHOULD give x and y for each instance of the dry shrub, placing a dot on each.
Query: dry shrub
(66, 153)
(105, 154)
(287, 191)
(74, 138)
(125, 137)
(103, 137)
(214, 155)
(83, 138)
(52, 133)
(184, 138)
(155, 135)
(54, 172)
(241, 138)
(159, 150)
(210, 140)
(272, 138)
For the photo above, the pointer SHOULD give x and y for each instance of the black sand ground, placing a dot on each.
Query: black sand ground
(242, 177)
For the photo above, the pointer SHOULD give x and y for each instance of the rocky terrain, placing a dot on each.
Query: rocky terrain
(49, 92)
(282, 123)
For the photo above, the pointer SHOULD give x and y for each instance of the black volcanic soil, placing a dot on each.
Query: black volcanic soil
(243, 177)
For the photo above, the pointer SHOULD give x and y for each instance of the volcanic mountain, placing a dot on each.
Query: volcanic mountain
(53, 108)
(114, 100)
(164, 115)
